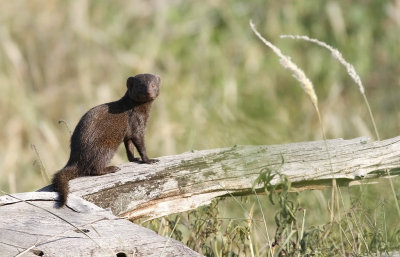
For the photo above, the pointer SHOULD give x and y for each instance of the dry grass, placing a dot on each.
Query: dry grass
(356, 78)
(349, 68)
(309, 90)
(288, 64)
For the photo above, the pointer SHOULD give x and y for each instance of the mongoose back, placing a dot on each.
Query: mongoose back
(103, 128)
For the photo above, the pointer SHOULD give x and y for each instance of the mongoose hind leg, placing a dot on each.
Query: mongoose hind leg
(106, 170)
(111, 169)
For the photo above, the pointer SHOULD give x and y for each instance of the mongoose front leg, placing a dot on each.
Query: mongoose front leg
(129, 146)
(141, 147)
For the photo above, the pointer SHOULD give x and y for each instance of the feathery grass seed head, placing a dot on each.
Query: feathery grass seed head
(285, 61)
(336, 54)
(350, 70)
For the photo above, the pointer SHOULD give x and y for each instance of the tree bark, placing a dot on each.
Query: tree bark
(183, 182)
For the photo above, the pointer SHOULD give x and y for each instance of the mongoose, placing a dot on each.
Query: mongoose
(103, 128)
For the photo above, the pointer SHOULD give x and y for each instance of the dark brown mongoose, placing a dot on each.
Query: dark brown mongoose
(103, 128)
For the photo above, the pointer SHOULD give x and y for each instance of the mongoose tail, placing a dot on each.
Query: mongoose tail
(60, 182)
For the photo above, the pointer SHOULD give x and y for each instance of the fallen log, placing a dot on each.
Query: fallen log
(31, 226)
(183, 182)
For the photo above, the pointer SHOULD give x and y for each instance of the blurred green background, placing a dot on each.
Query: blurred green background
(220, 85)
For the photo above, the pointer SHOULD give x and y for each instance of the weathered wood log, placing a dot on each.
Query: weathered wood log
(82, 229)
(175, 184)
(183, 182)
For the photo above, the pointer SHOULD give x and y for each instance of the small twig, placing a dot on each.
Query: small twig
(66, 126)
(43, 171)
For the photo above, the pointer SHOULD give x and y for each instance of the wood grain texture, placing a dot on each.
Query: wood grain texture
(183, 182)
(24, 227)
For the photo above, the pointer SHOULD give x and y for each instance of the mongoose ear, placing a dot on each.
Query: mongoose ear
(130, 82)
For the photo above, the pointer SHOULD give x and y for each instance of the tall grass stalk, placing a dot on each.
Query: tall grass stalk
(341, 232)
(350, 70)
(353, 74)
(348, 221)
(278, 253)
(285, 61)
(302, 225)
(247, 213)
(43, 171)
(250, 224)
(265, 223)
(170, 235)
(308, 87)
(356, 221)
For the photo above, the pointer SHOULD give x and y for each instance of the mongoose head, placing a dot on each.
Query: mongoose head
(143, 87)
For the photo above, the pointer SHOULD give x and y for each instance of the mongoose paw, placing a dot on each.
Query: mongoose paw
(133, 159)
(149, 161)
(111, 169)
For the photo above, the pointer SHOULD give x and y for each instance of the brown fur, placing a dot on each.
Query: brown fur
(103, 128)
